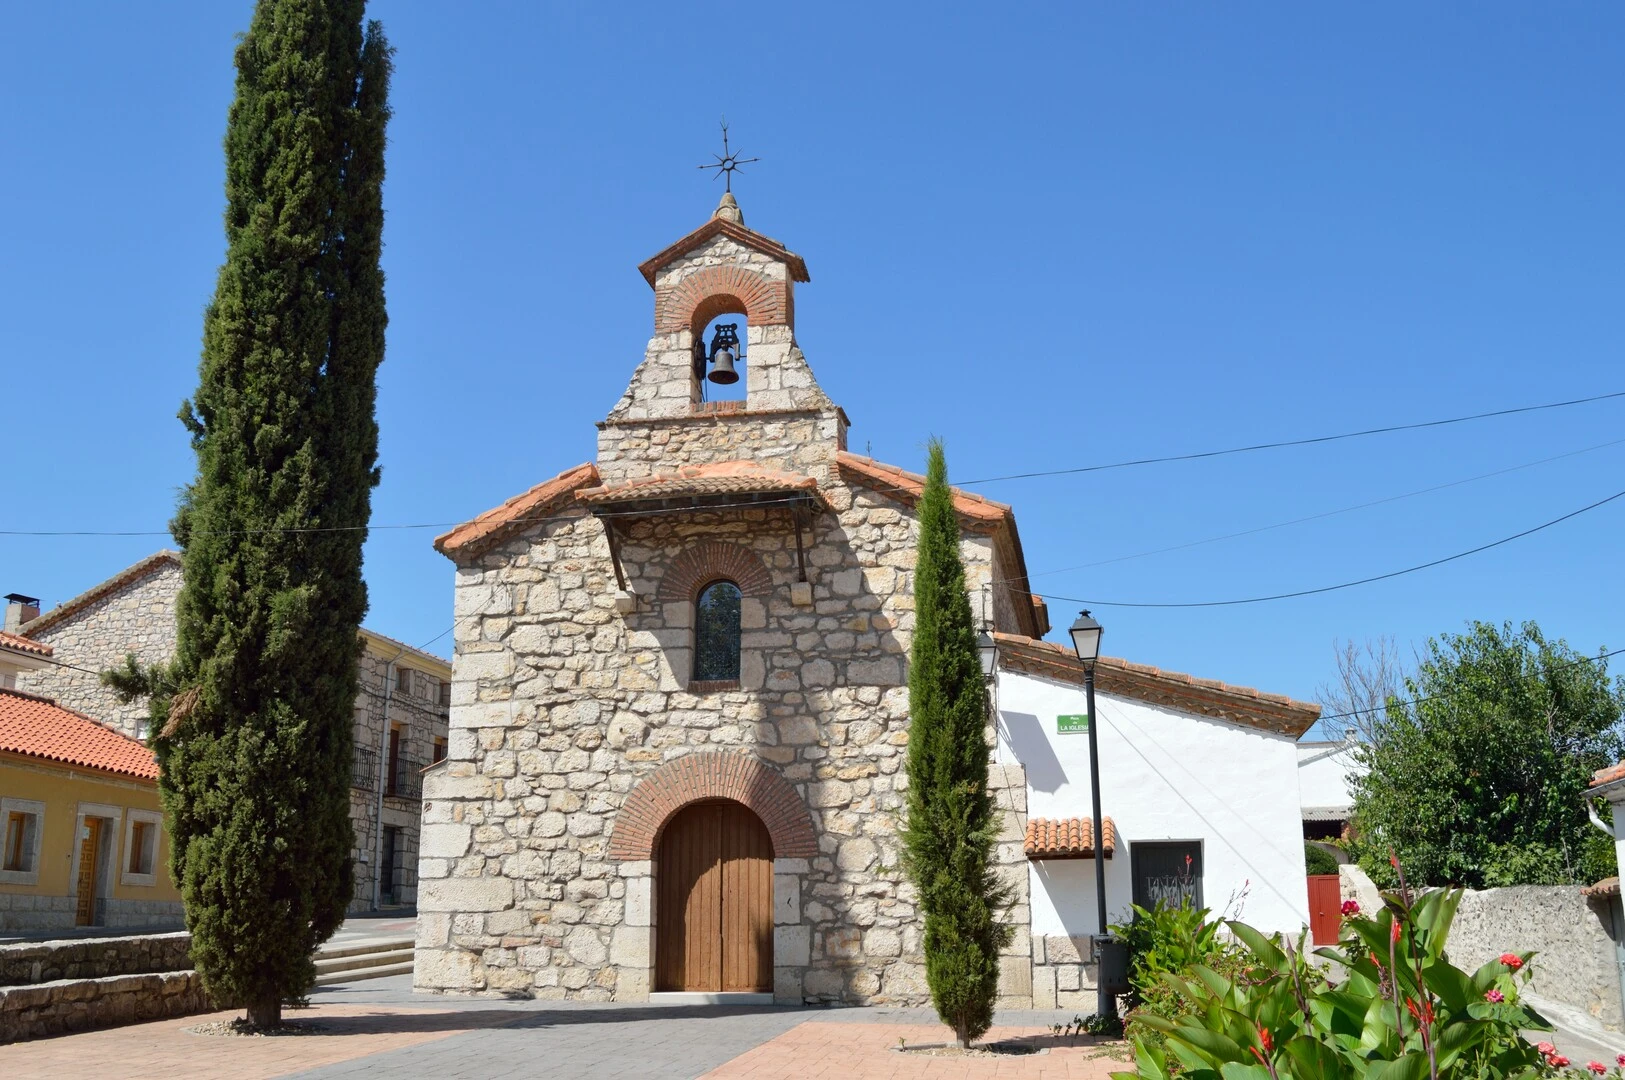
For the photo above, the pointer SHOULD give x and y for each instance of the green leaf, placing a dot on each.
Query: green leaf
(1216, 1046)
(1261, 947)
(1450, 984)
(1235, 1070)
(1409, 1066)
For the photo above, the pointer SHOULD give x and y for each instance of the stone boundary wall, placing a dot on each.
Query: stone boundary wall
(23, 911)
(68, 1005)
(1064, 972)
(25, 963)
(1572, 935)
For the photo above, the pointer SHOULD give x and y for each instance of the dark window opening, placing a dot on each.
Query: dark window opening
(392, 780)
(1169, 873)
(716, 633)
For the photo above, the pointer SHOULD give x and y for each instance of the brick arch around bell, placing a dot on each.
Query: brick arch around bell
(699, 297)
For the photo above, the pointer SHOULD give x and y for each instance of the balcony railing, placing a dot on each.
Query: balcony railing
(364, 770)
(407, 781)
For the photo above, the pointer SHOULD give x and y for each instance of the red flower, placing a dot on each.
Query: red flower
(1558, 1061)
(1545, 1048)
(1393, 860)
(1393, 934)
(1423, 1014)
(1621, 1060)
(1374, 960)
(1511, 960)
(1264, 1037)
(1494, 996)
(1351, 907)
(1597, 1067)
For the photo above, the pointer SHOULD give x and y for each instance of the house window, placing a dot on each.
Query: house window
(716, 633)
(445, 694)
(439, 751)
(1169, 872)
(392, 780)
(403, 680)
(141, 847)
(19, 858)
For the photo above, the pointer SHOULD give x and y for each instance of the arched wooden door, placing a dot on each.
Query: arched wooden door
(714, 905)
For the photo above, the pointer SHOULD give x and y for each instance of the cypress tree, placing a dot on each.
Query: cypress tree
(253, 717)
(950, 834)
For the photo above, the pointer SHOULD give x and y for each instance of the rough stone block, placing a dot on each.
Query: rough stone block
(1043, 988)
(448, 970)
(786, 899)
(792, 946)
(465, 894)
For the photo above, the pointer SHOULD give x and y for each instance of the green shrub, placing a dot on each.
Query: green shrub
(1318, 860)
(1170, 941)
(1401, 1010)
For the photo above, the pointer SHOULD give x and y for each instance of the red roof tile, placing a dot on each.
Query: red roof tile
(717, 478)
(1608, 886)
(738, 233)
(23, 645)
(474, 536)
(1609, 775)
(1066, 838)
(907, 487)
(39, 727)
(1204, 697)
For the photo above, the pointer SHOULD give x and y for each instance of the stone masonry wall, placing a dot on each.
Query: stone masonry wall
(93, 958)
(140, 619)
(795, 442)
(57, 1008)
(560, 705)
(417, 710)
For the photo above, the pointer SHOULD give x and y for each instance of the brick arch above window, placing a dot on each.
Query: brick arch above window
(717, 290)
(713, 775)
(708, 561)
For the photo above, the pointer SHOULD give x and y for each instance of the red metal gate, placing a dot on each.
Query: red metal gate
(1325, 908)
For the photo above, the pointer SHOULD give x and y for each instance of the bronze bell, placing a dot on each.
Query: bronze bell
(723, 344)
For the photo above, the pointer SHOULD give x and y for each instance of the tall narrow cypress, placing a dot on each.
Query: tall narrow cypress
(949, 838)
(253, 717)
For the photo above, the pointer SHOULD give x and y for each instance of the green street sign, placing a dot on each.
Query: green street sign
(1077, 724)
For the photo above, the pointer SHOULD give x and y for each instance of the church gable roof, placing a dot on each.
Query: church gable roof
(500, 522)
(718, 226)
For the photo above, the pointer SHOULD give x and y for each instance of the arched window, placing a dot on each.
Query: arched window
(716, 633)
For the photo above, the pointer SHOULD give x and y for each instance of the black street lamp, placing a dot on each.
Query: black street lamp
(987, 652)
(1086, 633)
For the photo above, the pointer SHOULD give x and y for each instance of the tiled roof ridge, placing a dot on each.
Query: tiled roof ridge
(1608, 775)
(128, 576)
(910, 486)
(533, 504)
(1275, 712)
(117, 752)
(651, 266)
(409, 648)
(24, 645)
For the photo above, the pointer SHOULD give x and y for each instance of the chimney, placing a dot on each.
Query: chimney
(20, 610)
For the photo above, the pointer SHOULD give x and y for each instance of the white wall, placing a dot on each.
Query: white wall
(1165, 775)
(1324, 769)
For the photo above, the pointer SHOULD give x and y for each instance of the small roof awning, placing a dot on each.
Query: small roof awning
(1066, 838)
(1608, 886)
(742, 484)
(1327, 813)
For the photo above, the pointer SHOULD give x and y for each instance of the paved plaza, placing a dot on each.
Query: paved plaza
(380, 1028)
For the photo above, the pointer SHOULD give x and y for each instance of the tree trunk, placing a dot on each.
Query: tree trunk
(265, 1014)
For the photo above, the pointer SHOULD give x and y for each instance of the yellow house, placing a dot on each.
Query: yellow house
(82, 839)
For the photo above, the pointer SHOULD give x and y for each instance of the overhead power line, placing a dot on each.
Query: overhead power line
(1311, 441)
(1341, 585)
(1323, 514)
(963, 483)
(1458, 693)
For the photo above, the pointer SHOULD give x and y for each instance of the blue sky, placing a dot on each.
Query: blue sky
(1055, 236)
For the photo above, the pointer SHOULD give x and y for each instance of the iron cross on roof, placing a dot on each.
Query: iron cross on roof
(728, 162)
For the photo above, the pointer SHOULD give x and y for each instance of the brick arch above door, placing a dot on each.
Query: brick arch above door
(710, 560)
(713, 775)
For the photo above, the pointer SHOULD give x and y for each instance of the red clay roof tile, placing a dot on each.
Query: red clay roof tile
(39, 727)
(717, 478)
(489, 527)
(1066, 838)
(24, 645)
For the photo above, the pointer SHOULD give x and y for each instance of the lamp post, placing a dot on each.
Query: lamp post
(1086, 633)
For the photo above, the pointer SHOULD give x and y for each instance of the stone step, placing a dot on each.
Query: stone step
(366, 945)
(364, 973)
(329, 964)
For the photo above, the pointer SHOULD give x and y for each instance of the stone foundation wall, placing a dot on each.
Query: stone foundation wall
(1064, 973)
(57, 1008)
(22, 963)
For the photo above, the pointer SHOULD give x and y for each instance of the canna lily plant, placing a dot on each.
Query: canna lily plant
(1398, 1010)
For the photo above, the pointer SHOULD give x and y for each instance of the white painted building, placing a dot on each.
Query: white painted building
(1325, 770)
(1189, 768)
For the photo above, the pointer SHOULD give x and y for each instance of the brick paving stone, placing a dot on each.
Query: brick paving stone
(823, 1049)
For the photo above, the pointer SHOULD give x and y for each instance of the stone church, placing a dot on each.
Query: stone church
(679, 696)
